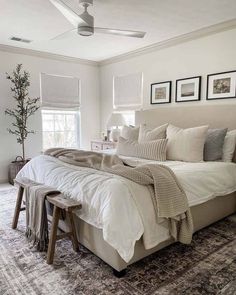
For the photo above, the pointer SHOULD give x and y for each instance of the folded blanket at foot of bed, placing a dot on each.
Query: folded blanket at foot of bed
(169, 199)
(36, 213)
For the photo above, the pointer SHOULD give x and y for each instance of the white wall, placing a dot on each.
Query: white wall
(211, 54)
(90, 116)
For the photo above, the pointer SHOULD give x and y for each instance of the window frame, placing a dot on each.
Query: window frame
(54, 111)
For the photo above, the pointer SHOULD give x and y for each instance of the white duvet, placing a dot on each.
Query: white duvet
(123, 209)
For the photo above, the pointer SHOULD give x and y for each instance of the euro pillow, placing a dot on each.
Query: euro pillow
(130, 133)
(229, 146)
(147, 134)
(213, 148)
(152, 150)
(186, 144)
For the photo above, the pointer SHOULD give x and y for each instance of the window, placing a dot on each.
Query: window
(59, 92)
(60, 128)
(127, 91)
(60, 97)
(129, 117)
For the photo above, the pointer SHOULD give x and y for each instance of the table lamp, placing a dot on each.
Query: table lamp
(115, 121)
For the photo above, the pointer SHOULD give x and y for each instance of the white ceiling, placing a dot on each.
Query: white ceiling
(40, 21)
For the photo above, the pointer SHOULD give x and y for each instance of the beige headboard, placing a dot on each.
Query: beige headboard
(216, 116)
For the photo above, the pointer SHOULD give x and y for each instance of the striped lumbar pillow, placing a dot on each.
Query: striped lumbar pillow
(152, 150)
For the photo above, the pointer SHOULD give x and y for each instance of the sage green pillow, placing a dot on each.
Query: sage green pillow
(213, 148)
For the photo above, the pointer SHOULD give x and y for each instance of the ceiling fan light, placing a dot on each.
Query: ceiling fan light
(85, 31)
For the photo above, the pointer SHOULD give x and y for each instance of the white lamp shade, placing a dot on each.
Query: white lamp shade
(116, 120)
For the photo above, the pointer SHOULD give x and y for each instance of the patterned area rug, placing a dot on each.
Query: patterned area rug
(207, 266)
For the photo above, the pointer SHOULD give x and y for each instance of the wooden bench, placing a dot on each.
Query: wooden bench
(60, 204)
(22, 185)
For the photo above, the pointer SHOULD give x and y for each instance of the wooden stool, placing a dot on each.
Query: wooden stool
(60, 204)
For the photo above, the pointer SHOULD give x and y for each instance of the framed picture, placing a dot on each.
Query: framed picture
(188, 89)
(161, 92)
(221, 85)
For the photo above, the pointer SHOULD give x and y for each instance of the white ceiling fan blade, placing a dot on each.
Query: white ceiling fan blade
(68, 12)
(65, 35)
(126, 33)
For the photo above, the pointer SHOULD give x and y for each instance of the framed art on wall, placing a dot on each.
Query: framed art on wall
(161, 92)
(188, 89)
(221, 85)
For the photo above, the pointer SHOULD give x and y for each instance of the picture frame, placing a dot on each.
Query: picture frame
(161, 92)
(188, 89)
(221, 85)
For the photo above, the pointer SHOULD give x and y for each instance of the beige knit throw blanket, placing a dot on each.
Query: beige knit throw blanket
(169, 199)
(36, 214)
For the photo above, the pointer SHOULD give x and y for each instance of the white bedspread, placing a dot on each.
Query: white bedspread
(123, 209)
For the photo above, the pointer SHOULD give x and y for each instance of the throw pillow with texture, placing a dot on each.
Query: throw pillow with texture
(130, 133)
(186, 144)
(213, 148)
(147, 134)
(152, 150)
(229, 146)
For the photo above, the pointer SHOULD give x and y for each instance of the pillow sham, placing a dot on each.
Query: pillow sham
(152, 150)
(229, 146)
(146, 134)
(186, 144)
(130, 133)
(213, 148)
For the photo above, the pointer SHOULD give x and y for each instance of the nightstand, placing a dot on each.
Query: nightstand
(100, 145)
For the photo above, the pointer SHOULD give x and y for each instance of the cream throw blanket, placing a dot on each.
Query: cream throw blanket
(169, 199)
(36, 214)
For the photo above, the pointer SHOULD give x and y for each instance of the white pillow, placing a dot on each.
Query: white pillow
(229, 146)
(130, 133)
(146, 134)
(153, 150)
(186, 144)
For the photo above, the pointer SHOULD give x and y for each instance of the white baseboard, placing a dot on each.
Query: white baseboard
(3, 180)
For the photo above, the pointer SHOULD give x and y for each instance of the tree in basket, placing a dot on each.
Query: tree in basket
(25, 106)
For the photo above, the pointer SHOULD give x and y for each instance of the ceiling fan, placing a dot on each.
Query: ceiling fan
(84, 23)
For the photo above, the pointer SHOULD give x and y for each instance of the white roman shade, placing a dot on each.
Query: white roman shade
(127, 91)
(59, 92)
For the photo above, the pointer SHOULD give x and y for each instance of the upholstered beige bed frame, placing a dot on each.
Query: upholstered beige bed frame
(185, 116)
(216, 116)
(203, 215)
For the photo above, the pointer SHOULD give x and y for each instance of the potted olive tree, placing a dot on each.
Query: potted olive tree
(25, 107)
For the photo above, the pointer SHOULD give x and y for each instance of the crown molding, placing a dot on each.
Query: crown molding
(31, 52)
(206, 31)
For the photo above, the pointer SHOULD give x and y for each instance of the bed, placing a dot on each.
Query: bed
(210, 188)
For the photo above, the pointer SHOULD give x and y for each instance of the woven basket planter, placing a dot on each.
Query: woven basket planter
(14, 168)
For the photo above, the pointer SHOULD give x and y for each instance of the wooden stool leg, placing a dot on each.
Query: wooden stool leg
(73, 232)
(53, 235)
(18, 207)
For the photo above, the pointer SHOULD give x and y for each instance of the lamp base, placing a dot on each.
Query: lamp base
(115, 133)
